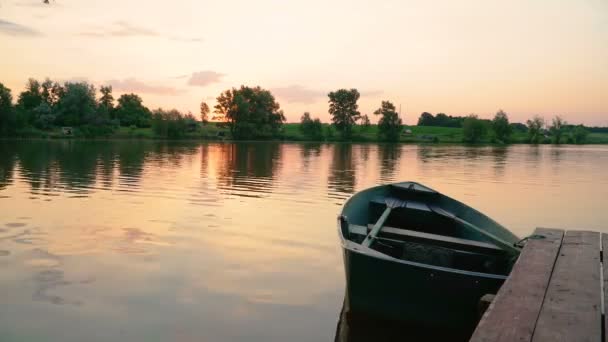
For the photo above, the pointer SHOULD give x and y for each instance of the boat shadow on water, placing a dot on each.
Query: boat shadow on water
(362, 327)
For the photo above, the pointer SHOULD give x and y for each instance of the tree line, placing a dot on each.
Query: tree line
(48, 104)
(249, 113)
(500, 130)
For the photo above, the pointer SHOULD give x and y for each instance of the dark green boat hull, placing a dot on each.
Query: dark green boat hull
(411, 280)
(419, 294)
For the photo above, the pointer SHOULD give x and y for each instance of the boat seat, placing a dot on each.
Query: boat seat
(442, 240)
(415, 205)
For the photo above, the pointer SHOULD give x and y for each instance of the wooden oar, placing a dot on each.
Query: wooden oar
(391, 203)
(502, 243)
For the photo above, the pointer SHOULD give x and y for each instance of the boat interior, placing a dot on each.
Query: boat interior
(407, 221)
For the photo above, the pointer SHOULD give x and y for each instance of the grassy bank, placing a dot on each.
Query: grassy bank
(292, 132)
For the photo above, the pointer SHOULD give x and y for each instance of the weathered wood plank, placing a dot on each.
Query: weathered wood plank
(513, 313)
(572, 307)
(605, 266)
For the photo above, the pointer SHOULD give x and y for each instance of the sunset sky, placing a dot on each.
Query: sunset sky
(527, 57)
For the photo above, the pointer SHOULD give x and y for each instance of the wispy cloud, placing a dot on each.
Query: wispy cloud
(134, 85)
(122, 29)
(298, 93)
(14, 29)
(186, 39)
(204, 78)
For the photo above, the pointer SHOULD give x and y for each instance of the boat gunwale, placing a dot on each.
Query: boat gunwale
(358, 250)
(368, 252)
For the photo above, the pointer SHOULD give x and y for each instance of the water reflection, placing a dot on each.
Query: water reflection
(500, 154)
(308, 151)
(227, 237)
(248, 169)
(342, 178)
(7, 164)
(389, 155)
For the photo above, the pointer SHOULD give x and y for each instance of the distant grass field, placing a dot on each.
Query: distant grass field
(292, 132)
(208, 131)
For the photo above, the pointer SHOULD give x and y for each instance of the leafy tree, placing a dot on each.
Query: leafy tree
(29, 99)
(131, 112)
(106, 100)
(473, 129)
(426, 119)
(44, 117)
(389, 125)
(579, 134)
(105, 108)
(518, 127)
(440, 120)
(344, 110)
(169, 124)
(51, 92)
(312, 128)
(251, 113)
(77, 106)
(191, 123)
(7, 111)
(204, 112)
(365, 123)
(535, 128)
(501, 127)
(557, 129)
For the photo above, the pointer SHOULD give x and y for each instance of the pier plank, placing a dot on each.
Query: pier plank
(514, 311)
(605, 272)
(572, 307)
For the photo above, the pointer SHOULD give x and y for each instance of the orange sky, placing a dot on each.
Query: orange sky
(542, 57)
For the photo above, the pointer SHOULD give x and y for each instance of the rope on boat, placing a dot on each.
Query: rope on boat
(521, 243)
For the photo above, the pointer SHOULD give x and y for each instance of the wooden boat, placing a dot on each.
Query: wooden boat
(413, 254)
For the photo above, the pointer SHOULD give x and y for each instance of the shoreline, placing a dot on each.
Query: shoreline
(291, 141)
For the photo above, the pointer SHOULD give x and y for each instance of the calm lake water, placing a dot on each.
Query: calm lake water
(150, 241)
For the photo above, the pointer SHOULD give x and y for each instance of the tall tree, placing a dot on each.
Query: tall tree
(251, 113)
(7, 111)
(501, 127)
(365, 123)
(169, 124)
(344, 111)
(44, 116)
(473, 129)
(51, 92)
(105, 108)
(204, 112)
(426, 119)
(130, 111)
(579, 134)
(78, 105)
(557, 129)
(389, 125)
(535, 128)
(106, 99)
(29, 99)
(311, 128)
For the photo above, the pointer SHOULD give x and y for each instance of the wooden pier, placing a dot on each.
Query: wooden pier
(555, 292)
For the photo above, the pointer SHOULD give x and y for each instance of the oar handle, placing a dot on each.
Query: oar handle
(502, 243)
(377, 227)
